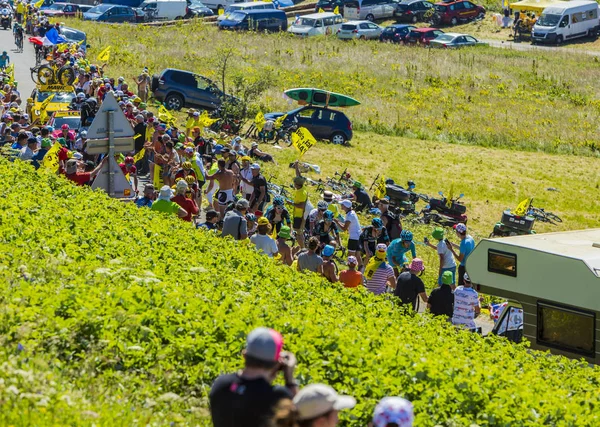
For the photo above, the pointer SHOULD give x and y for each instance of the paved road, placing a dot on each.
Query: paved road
(23, 61)
(526, 46)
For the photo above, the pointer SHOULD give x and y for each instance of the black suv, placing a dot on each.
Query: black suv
(413, 11)
(179, 89)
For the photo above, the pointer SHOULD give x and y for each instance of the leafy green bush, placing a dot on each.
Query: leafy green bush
(112, 315)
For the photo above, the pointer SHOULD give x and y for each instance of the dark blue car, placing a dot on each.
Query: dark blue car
(322, 122)
(396, 33)
(110, 13)
(271, 20)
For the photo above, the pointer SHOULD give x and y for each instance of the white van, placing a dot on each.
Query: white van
(252, 5)
(559, 23)
(160, 10)
(317, 24)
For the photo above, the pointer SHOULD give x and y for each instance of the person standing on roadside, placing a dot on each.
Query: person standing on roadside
(287, 254)
(446, 260)
(300, 202)
(352, 226)
(235, 223)
(466, 305)
(379, 274)
(143, 84)
(441, 300)
(248, 398)
(226, 180)
(409, 285)
(309, 260)
(245, 177)
(259, 185)
(467, 244)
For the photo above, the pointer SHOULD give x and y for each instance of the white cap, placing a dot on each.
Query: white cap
(393, 410)
(346, 203)
(316, 400)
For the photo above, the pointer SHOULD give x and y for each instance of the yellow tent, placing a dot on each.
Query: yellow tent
(536, 6)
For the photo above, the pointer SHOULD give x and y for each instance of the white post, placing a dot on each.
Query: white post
(111, 154)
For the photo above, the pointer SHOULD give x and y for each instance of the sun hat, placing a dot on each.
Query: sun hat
(381, 251)
(316, 400)
(447, 278)
(393, 410)
(298, 180)
(416, 265)
(328, 250)
(255, 166)
(461, 228)
(284, 233)
(263, 221)
(62, 141)
(346, 203)
(264, 344)
(246, 158)
(182, 184)
(466, 278)
(438, 233)
(327, 196)
(242, 204)
(46, 142)
(357, 184)
(165, 193)
(352, 260)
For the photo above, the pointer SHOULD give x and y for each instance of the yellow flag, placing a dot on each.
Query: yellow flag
(165, 116)
(380, 190)
(279, 122)
(302, 139)
(523, 207)
(10, 71)
(221, 11)
(321, 10)
(51, 158)
(43, 106)
(206, 121)
(450, 196)
(259, 121)
(38, 4)
(104, 56)
(336, 10)
(139, 156)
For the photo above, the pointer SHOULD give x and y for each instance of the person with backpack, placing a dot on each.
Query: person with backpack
(371, 236)
(235, 223)
(391, 221)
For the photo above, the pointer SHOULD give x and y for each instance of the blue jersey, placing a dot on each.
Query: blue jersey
(397, 250)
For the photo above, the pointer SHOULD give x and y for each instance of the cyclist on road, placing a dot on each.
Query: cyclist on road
(18, 34)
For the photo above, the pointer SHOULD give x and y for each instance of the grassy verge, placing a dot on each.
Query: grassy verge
(113, 315)
(485, 96)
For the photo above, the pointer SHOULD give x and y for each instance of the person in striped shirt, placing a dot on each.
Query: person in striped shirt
(466, 305)
(378, 273)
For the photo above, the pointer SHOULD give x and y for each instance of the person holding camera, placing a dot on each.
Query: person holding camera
(248, 398)
(447, 262)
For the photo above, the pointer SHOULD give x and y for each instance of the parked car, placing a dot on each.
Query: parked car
(330, 5)
(559, 22)
(316, 24)
(413, 11)
(110, 13)
(455, 40)
(74, 36)
(396, 33)
(453, 12)
(370, 9)
(359, 30)
(179, 89)
(195, 8)
(164, 10)
(253, 5)
(322, 122)
(423, 35)
(61, 9)
(271, 20)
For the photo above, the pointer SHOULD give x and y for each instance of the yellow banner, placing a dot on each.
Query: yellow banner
(51, 158)
(260, 121)
(336, 10)
(279, 122)
(139, 156)
(302, 139)
(165, 115)
(10, 71)
(43, 106)
(104, 56)
(38, 4)
(380, 190)
(523, 207)
(206, 121)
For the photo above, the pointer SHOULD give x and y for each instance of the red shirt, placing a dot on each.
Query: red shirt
(132, 169)
(80, 178)
(189, 205)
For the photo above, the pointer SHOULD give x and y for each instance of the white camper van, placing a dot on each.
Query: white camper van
(317, 24)
(161, 10)
(559, 23)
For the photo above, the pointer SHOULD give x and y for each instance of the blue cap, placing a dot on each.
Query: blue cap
(328, 250)
(218, 149)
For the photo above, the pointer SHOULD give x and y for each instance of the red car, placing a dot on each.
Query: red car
(61, 9)
(453, 12)
(423, 35)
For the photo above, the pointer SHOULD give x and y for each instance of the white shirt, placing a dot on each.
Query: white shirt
(354, 229)
(246, 174)
(265, 244)
(448, 258)
(465, 301)
(26, 153)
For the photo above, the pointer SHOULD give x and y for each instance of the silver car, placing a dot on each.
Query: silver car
(359, 30)
(370, 9)
(455, 40)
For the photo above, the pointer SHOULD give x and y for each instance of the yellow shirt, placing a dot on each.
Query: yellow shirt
(300, 196)
(334, 209)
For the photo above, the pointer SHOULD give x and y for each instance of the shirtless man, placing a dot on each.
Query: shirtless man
(143, 82)
(284, 249)
(226, 180)
(329, 267)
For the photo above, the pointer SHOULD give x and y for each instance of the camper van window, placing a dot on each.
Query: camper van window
(566, 328)
(502, 263)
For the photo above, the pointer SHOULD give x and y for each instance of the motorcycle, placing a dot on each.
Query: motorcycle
(522, 220)
(445, 212)
(403, 201)
(5, 20)
(284, 133)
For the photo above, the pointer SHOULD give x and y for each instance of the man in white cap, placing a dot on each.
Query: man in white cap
(393, 411)
(352, 226)
(164, 203)
(247, 398)
(318, 405)
(467, 244)
(466, 305)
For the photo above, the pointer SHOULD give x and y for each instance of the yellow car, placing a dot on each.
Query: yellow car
(63, 95)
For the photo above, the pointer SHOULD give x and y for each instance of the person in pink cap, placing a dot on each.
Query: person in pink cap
(351, 278)
(409, 285)
(393, 411)
(247, 398)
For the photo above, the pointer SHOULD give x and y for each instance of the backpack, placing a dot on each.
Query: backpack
(394, 226)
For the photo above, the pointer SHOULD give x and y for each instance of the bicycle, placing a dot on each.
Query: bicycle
(19, 41)
(541, 215)
(46, 74)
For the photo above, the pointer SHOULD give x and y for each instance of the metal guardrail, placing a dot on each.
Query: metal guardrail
(290, 12)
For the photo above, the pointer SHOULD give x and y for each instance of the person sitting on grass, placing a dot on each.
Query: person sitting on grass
(148, 198)
(379, 274)
(248, 398)
(164, 203)
(330, 270)
(185, 199)
(287, 253)
(351, 278)
(263, 242)
(441, 300)
(212, 217)
(410, 286)
(309, 260)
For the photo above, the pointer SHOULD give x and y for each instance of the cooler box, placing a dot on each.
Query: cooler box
(396, 192)
(524, 223)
